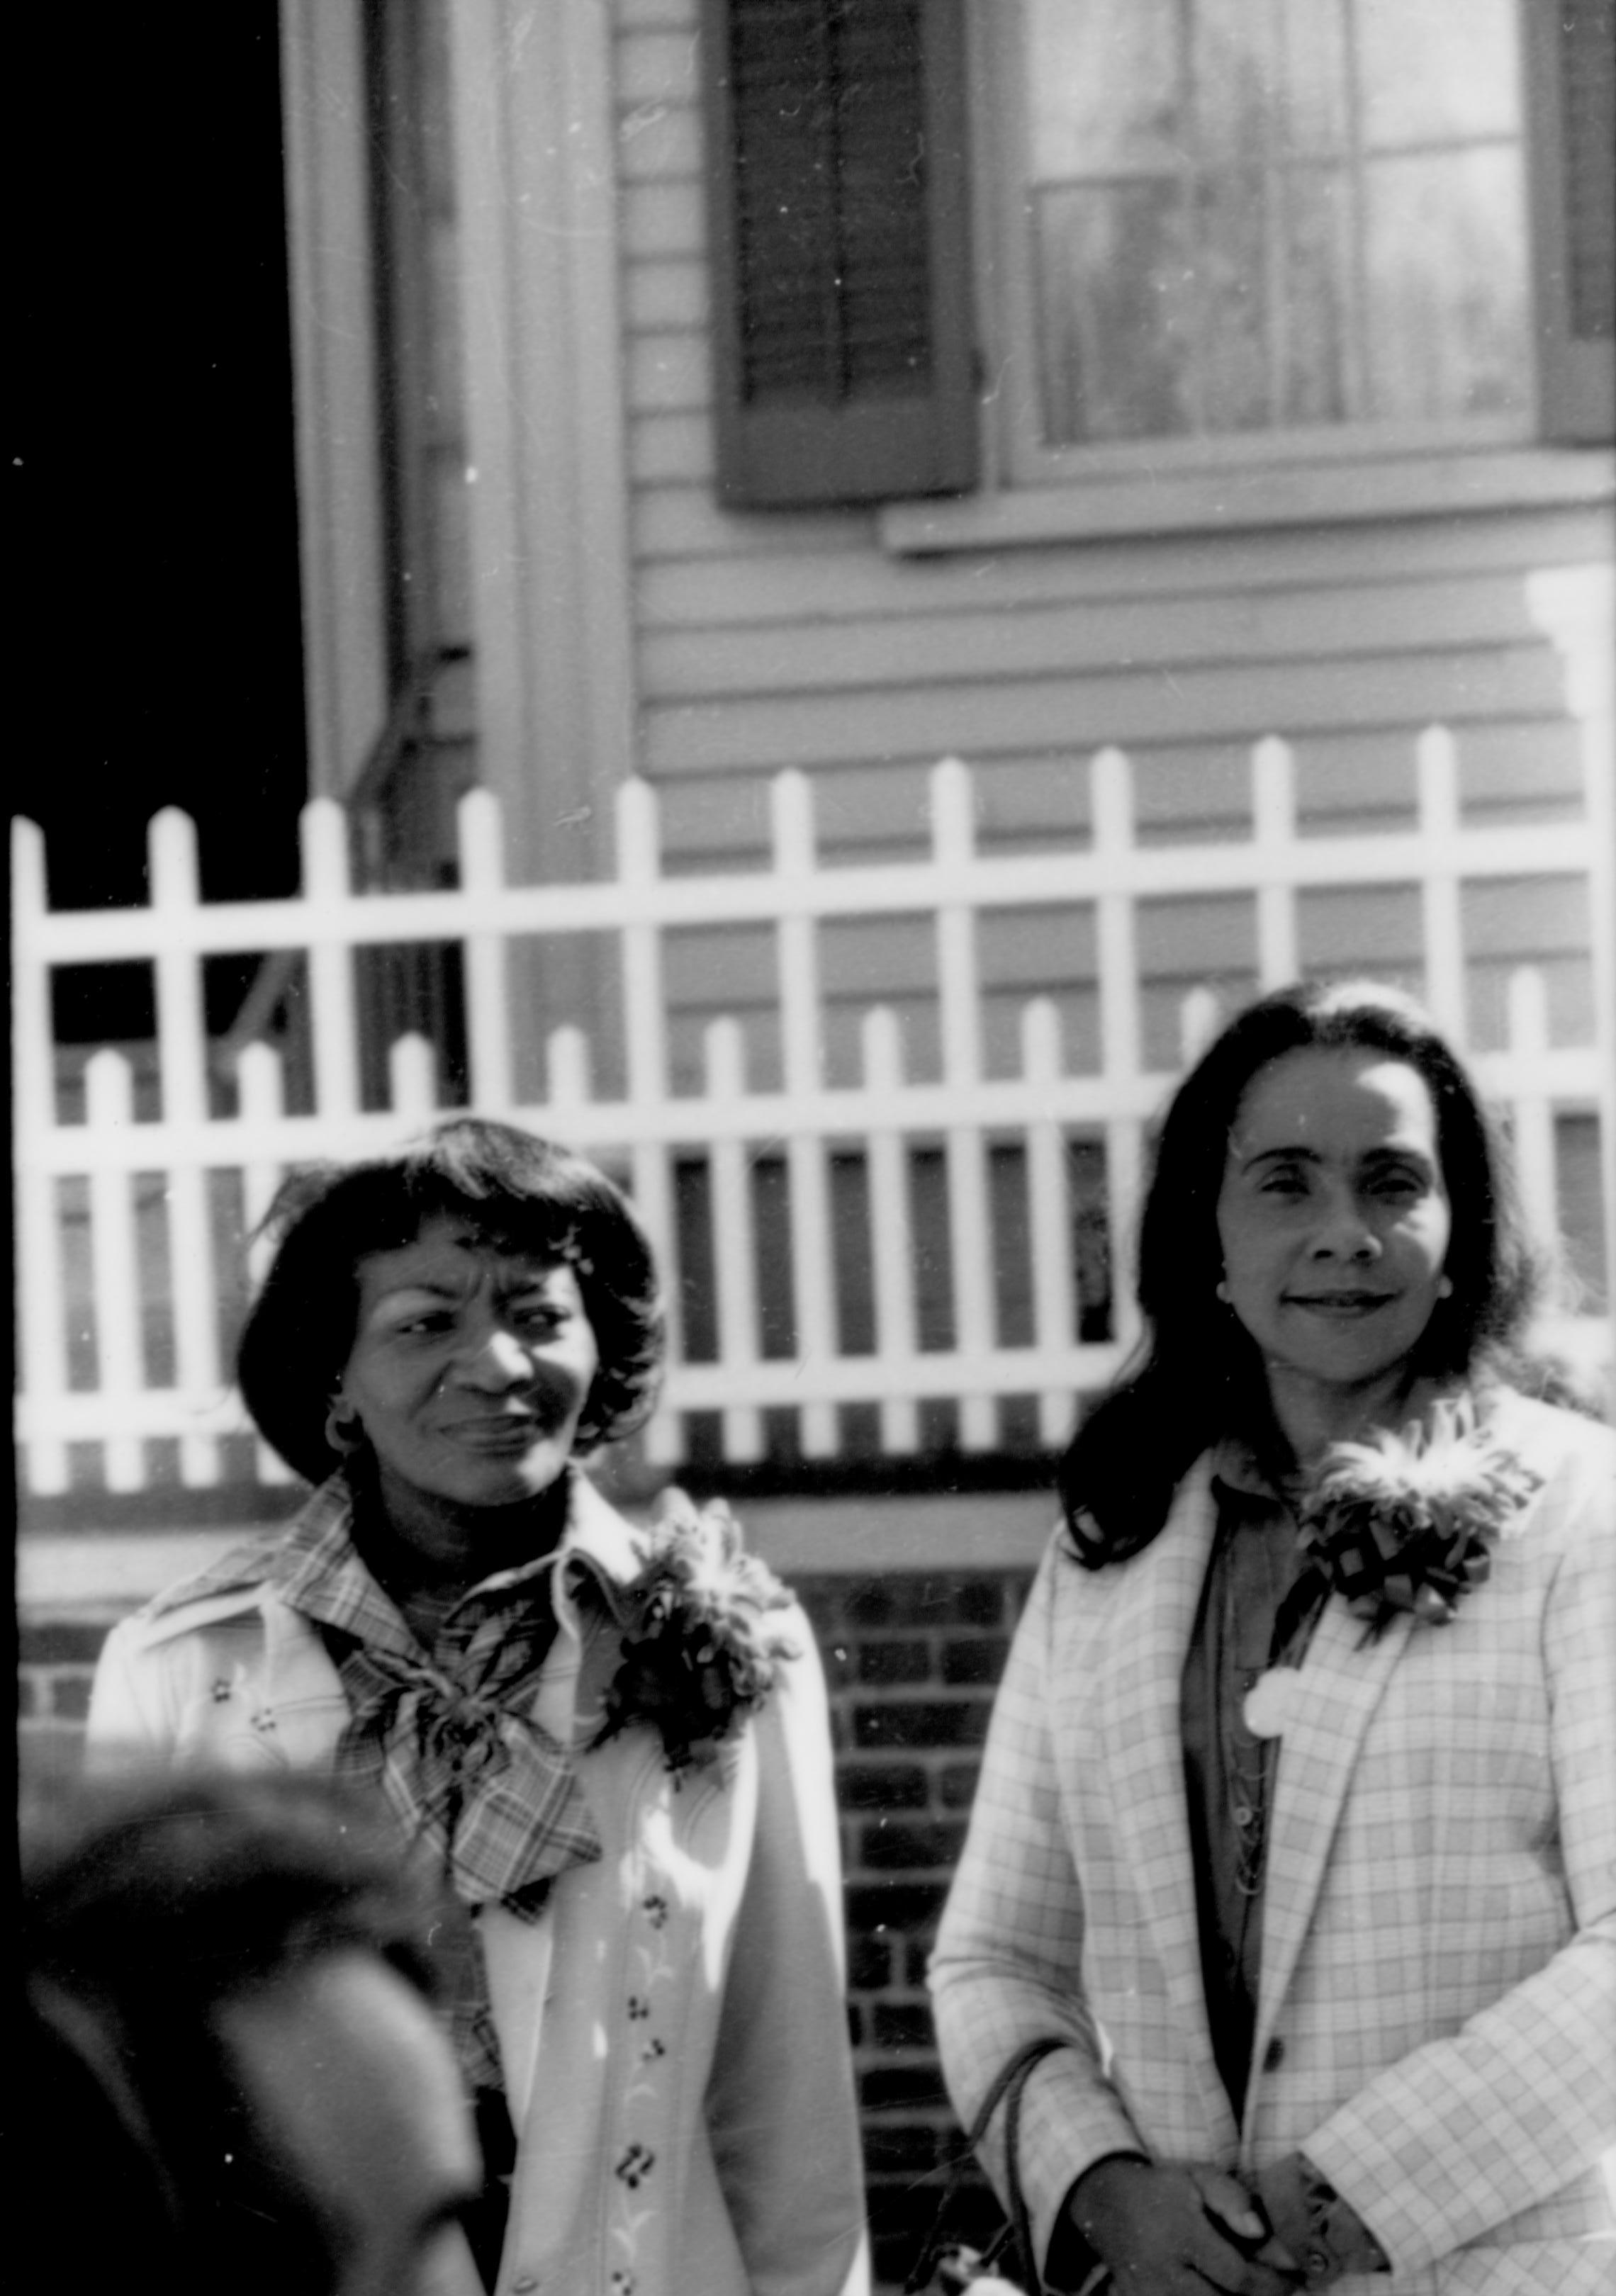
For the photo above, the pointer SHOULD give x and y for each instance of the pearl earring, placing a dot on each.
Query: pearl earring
(1445, 1288)
(1222, 1289)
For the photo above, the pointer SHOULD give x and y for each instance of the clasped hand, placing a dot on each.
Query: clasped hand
(1178, 2230)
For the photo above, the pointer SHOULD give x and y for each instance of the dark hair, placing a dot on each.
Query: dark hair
(145, 1911)
(518, 1192)
(1197, 1376)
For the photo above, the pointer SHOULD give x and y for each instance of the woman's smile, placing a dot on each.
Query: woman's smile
(1334, 1223)
(469, 1368)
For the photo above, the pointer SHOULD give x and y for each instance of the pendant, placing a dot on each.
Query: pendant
(1271, 1701)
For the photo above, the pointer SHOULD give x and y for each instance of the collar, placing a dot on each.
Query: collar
(1239, 1476)
(315, 1568)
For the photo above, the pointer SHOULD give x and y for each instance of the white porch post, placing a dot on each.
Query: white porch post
(340, 519)
(536, 162)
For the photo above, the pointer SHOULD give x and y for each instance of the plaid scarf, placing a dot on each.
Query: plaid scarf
(449, 1739)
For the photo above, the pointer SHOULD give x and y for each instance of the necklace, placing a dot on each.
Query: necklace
(1259, 1567)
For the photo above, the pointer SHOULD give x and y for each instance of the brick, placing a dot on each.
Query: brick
(869, 1964)
(917, 1962)
(901, 2085)
(840, 1661)
(978, 1661)
(882, 1905)
(908, 1660)
(881, 1785)
(28, 1703)
(926, 1598)
(69, 1697)
(907, 2148)
(903, 2025)
(956, 1784)
(887, 1846)
(921, 1722)
(981, 1602)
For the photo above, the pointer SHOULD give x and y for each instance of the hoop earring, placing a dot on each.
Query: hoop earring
(343, 1433)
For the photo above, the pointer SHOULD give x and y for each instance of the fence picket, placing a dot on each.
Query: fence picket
(885, 1121)
(411, 1080)
(891, 1240)
(1120, 1038)
(331, 961)
(1532, 1125)
(733, 1242)
(960, 1027)
(488, 1030)
(801, 1026)
(109, 1104)
(1437, 782)
(1048, 1216)
(181, 1056)
(1274, 834)
(260, 1084)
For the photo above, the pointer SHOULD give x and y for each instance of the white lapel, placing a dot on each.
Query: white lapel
(1144, 1755)
(1340, 1684)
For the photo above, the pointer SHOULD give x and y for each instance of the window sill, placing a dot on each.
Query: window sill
(1242, 500)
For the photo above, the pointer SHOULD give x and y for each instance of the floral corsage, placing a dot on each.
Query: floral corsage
(698, 1652)
(1405, 1521)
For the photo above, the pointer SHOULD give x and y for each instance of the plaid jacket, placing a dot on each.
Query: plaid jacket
(1437, 2019)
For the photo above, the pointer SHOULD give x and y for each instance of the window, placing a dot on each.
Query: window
(1208, 231)
(1260, 215)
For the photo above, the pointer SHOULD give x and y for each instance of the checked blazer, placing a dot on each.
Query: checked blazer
(1437, 2014)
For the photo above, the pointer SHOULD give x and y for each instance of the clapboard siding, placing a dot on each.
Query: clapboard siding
(861, 582)
(979, 719)
(1076, 640)
(1347, 784)
(792, 638)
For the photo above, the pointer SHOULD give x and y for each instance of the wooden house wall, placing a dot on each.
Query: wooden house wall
(791, 639)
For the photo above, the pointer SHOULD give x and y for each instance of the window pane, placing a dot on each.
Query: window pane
(1253, 214)
(1114, 289)
(1312, 315)
(1446, 261)
(1105, 92)
(1437, 69)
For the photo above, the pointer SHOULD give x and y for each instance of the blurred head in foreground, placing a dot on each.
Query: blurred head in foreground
(230, 2074)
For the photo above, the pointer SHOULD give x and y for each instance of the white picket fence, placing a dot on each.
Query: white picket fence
(119, 1230)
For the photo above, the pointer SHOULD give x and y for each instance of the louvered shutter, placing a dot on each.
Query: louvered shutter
(840, 204)
(1572, 52)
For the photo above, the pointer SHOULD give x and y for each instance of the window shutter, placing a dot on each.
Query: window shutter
(1572, 57)
(839, 216)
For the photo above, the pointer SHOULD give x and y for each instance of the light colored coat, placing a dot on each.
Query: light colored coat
(673, 2029)
(1437, 2020)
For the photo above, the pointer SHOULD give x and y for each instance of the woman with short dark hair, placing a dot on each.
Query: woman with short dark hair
(1296, 1831)
(612, 1739)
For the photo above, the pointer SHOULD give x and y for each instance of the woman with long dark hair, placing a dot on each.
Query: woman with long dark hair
(1297, 1826)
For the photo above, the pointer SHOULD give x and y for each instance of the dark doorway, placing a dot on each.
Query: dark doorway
(154, 510)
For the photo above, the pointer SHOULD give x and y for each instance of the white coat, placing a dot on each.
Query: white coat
(673, 2029)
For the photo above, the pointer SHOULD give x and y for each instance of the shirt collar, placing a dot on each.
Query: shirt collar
(316, 1569)
(1239, 1475)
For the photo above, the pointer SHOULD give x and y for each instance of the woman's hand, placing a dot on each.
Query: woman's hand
(1178, 2229)
(1314, 2221)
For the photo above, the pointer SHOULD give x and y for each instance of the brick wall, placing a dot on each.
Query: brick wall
(912, 1659)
